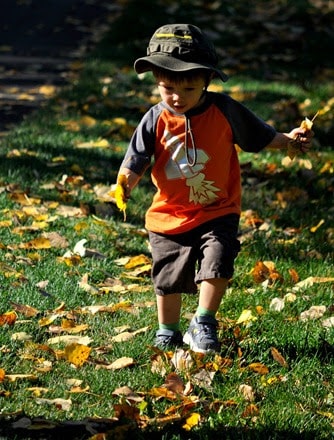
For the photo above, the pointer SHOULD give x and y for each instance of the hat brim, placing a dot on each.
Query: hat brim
(173, 64)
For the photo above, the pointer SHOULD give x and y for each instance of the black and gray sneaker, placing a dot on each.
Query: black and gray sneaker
(168, 339)
(201, 335)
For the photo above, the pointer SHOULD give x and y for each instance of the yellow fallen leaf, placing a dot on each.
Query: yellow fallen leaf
(77, 354)
(193, 420)
(99, 143)
(138, 260)
(37, 243)
(246, 317)
(259, 368)
(88, 121)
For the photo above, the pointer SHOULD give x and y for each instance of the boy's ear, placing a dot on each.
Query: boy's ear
(209, 78)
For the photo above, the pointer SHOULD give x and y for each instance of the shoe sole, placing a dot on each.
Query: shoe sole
(187, 340)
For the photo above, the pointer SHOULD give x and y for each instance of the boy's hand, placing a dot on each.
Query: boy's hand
(119, 193)
(300, 138)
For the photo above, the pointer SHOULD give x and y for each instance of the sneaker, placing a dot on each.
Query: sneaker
(201, 335)
(168, 339)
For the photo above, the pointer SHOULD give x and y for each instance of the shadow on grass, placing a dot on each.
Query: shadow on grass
(77, 430)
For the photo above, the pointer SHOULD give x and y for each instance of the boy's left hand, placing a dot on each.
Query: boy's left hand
(300, 139)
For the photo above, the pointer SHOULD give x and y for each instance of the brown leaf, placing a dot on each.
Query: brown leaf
(8, 318)
(294, 275)
(128, 394)
(174, 383)
(251, 411)
(278, 357)
(27, 311)
(2, 374)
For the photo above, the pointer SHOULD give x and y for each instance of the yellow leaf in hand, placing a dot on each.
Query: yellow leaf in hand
(120, 198)
(294, 145)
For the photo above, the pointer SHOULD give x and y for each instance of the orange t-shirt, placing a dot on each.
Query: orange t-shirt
(196, 169)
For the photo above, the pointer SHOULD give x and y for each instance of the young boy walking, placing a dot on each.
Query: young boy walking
(193, 219)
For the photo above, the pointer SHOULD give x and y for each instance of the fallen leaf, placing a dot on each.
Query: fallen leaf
(77, 354)
(120, 363)
(128, 394)
(25, 310)
(174, 383)
(191, 421)
(259, 368)
(246, 317)
(21, 336)
(329, 322)
(310, 281)
(277, 304)
(251, 411)
(248, 392)
(8, 318)
(37, 243)
(126, 336)
(182, 360)
(314, 312)
(62, 404)
(68, 339)
(15, 377)
(278, 357)
(139, 260)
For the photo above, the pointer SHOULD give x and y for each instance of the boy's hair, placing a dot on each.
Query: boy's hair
(179, 77)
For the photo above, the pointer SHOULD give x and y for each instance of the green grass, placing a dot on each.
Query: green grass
(291, 402)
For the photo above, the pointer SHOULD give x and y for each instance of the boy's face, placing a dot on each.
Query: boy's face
(181, 96)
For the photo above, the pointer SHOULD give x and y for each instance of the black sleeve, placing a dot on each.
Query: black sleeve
(141, 146)
(251, 133)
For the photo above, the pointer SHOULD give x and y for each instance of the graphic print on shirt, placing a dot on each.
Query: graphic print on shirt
(200, 190)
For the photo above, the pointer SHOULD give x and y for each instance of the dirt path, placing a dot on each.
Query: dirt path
(39, 41)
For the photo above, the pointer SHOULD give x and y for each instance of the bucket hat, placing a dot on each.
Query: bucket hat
(180, 48)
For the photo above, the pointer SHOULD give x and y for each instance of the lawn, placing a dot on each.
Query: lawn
(77, 311)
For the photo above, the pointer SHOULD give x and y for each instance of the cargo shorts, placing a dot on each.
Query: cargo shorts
(182, 261)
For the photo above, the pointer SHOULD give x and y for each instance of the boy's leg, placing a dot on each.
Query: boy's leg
(169, 308)
(211, 294)
(201, 335)
(169, 311)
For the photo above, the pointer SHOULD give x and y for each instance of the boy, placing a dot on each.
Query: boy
(194, 216)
